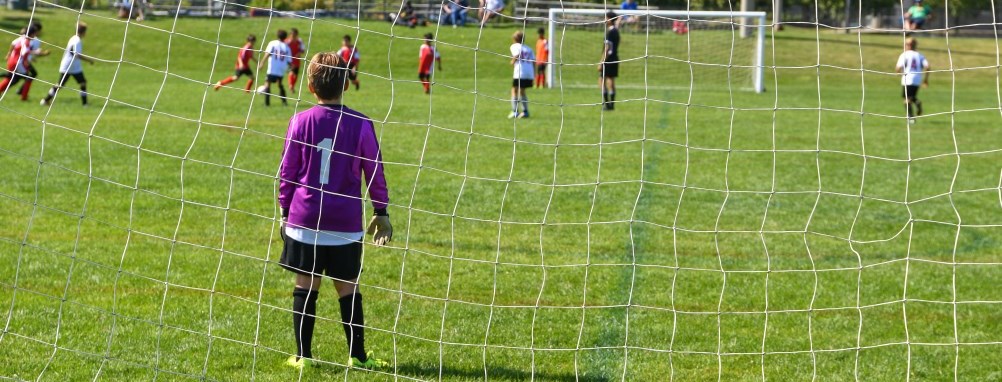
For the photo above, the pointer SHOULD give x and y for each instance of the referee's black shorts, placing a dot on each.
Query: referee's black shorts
(341, 262)
(610, 70)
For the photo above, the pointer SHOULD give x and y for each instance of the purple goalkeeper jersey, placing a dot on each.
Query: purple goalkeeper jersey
(327, 149)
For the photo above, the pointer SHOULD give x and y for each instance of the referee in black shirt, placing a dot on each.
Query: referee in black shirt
(608, 67)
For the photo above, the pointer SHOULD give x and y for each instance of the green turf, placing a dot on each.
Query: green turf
(696, 236)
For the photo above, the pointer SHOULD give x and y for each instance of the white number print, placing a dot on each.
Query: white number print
(325, 147)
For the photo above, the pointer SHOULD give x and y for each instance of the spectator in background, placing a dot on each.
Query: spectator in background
(129, 9)
(454, 12)
(488, 8)
(917, 15)
(629, 5)
(406, 16)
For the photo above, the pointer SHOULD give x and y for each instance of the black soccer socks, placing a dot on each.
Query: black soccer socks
(304, 318)
(353, 321)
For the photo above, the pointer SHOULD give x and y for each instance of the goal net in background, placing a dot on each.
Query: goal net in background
(700, 231)
(682, 50)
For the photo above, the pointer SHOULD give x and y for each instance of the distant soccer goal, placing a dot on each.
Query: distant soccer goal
(661, 49)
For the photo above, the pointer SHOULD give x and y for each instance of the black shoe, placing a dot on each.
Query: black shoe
(918, 108)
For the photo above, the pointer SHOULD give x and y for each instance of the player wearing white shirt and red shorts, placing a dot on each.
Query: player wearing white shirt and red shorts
(70, 66)
(523, 60)
(278, 56)
(915, 68)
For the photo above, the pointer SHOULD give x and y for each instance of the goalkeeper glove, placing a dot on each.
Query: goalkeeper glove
(380, 228)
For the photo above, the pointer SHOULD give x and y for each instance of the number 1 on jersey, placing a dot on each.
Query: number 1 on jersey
(325, 147)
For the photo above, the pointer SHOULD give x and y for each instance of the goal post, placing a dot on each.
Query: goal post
(704, 32)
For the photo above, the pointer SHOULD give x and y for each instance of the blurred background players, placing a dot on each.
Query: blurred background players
(522, 60)
(349, 53)
(244, 57)
(296, 47)
(543, 55)
(915, 68)
(70, 66)
(19, 61)
(429, 56)
(278, 56)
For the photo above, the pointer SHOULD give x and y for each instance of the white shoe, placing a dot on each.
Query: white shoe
(911, 121)
(42, 102)
(512, 115)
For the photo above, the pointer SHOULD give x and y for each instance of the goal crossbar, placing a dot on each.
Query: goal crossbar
(746, 20)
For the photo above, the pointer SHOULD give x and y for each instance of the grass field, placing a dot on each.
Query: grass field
(806, 233)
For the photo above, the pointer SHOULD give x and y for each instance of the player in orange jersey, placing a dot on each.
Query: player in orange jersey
(542, 57)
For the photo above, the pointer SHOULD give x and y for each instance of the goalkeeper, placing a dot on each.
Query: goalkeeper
(330, 150)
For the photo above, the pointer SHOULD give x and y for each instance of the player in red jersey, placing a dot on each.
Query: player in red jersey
(429, 56)
(349, 53)
(243, 65)
(18, 63)
(297, 47)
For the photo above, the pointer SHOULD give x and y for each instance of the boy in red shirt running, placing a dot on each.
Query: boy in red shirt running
(243, 66)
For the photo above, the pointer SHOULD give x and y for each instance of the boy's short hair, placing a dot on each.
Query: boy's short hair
(911, 43)
(81, 28)
(518, 36)
(429, 36)
(346, 38)
(295, 31)
(32, 30)
(609, 16)
(251, 38)
(326, 74)
(541, 31)
(282, 34)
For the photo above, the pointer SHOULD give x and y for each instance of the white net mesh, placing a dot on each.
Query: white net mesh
(698, 231)
(702, 51)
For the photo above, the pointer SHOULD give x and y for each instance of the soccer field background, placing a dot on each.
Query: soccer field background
(694, 233)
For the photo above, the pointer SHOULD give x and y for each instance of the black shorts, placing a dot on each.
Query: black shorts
(341, 262)
(610, 70)
(272, 78)
(521, 83)
(909, 92)
(78, 77)
(243, 72)
(352, 75)
(424, 76)
(541, 68)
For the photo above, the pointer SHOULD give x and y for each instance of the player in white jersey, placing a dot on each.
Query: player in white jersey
(279, 57)
(71, 66)
(915, 68)
(522, 59)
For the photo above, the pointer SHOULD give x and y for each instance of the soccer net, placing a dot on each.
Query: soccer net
(682, 50)
(701, 230)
